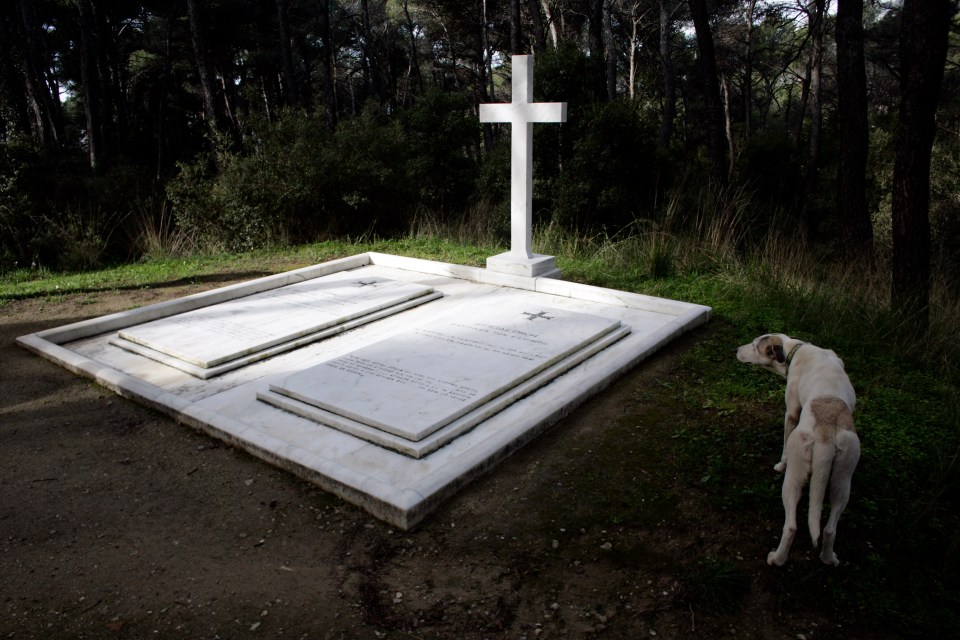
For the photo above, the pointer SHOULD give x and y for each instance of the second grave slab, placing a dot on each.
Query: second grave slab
(413, 384)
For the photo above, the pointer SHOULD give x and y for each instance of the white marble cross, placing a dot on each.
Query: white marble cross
(521, 112)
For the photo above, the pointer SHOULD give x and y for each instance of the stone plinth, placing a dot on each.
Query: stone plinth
(534, 266)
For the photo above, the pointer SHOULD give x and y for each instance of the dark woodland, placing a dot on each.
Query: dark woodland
(251, 123)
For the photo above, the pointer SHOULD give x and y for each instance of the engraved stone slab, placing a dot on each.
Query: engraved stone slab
(205, 373)
(419, 381)
(220, 333)
(454, 429)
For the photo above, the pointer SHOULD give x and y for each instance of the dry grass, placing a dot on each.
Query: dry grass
(159, 235)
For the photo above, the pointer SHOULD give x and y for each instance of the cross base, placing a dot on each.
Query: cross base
(535, 266)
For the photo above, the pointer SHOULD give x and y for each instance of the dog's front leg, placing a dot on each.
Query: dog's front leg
(790, 420)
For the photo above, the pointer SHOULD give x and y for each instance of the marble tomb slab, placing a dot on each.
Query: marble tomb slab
(212, 340)
(455, 428)
(418, 382)
(392, 485)
(414, 383)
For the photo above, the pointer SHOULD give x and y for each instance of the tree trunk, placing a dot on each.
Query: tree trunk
(370, 54)
(856, 227)
(748, 73)
(728, 125)
(413, 70)
(203, 66)
(812, 173)
(667, 8)
(711, 85)
(113, 77)
(516, 29)
(13, 89)
(286, 54)
(632, 58)
(92, 90)
(162, 89)
(539, 33)
(610, 49)
(47, 114)
(485, 57)
(924, 35)
(595, 43)
(550, 22)
(801, 111)
(483, 72)
(326, 67)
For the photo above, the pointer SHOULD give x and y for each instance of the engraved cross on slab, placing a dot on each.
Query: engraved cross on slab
(521, 112)
(537, 316)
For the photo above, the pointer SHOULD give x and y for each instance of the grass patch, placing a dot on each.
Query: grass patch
(31, 283)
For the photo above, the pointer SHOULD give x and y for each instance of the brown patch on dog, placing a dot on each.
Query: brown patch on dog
(772, 347)
(830, 416)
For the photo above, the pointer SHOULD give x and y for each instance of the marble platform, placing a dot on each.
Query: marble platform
(397, 467)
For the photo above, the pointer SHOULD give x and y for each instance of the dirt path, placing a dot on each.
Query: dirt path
(117, 522)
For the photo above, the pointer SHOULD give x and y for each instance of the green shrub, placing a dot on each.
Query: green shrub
(442, 135)
(56, 214)
(366, 177)
(78, 239)
(294, 181)
(16, 203)
(610, 179)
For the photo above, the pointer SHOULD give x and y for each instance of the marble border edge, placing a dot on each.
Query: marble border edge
(564, 288)
(123, 319)
(380, 500)
(541, 284)
(116, 381)
(421, 265)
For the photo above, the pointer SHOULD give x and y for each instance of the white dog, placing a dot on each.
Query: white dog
(819, 440)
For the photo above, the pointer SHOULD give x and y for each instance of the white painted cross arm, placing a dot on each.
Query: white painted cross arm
(519, 113)
(522, 109)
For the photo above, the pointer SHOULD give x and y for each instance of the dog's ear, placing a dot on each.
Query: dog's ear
(772, 347)
(778, 352)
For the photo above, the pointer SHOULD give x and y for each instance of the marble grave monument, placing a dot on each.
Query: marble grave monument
(389, 381)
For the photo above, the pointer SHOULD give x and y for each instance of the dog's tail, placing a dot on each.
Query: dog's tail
(823, 452)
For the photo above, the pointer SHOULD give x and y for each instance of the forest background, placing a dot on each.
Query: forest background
(130, 127)
(793, 164)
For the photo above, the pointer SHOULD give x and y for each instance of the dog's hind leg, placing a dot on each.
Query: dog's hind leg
(793, 482)
(843, 465)
(823, 455)
(839, 494)
(799, 454)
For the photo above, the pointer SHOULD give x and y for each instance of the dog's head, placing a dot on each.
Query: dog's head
(766, 351)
